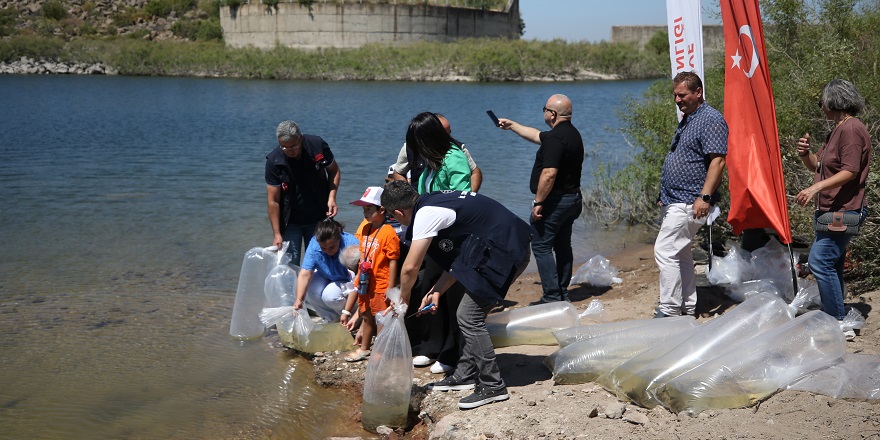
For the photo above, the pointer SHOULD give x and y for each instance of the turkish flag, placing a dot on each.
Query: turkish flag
(754, 162)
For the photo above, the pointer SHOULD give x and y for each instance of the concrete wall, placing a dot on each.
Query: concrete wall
(713, 35)
(356, 24)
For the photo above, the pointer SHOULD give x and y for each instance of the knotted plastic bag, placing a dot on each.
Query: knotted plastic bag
(389, 376)
(280, 284)
(734, 268)
(250, 298)
(597, 272)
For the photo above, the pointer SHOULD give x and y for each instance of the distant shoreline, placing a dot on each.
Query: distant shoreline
(28, 66)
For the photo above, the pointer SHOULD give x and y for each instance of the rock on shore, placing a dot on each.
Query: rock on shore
(28, 66)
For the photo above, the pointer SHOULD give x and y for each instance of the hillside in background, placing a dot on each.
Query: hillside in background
(145, 19)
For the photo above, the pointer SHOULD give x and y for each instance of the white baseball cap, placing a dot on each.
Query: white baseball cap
(372, 196)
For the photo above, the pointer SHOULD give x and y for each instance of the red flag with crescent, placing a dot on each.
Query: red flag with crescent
(754, 161)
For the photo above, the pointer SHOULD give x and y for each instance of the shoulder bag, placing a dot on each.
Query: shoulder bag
(837, 222)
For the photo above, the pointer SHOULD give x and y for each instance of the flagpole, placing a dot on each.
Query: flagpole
(794, 276)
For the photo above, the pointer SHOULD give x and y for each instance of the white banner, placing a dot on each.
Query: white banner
(685, 38)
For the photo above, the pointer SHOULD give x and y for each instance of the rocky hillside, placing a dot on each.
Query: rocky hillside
(147, 19)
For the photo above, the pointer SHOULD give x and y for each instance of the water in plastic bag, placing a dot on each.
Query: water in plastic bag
(734, 268)
(749, 373)
(588, 359)
(250, 298)
(633, 379)
(531, 325)
(312, 335)
(389, 376)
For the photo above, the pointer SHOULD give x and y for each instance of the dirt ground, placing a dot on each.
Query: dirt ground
(538, 409)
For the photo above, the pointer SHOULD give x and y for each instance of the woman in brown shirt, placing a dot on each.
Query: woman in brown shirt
(841, 169)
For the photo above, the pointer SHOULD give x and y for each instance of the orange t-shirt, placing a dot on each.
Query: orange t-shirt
(379, 248)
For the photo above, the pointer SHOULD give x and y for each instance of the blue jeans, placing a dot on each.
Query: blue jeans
(299, 237)
(554, 236)
(826, 262)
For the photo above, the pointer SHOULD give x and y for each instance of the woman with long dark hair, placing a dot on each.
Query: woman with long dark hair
(446, 166)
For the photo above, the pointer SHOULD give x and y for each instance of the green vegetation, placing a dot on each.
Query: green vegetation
(483, 59)
(806, 48)
(162, 8)
(54, 10)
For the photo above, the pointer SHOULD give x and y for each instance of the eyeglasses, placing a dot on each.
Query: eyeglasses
(551, 111)
(292, 147)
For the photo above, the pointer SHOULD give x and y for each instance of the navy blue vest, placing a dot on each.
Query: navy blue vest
(485, 245)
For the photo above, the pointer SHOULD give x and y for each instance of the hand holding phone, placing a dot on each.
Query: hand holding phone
(493, 117)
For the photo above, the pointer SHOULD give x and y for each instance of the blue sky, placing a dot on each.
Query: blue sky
(591, 20)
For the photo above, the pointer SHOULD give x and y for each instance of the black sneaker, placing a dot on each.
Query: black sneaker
(483, 397)
(450, 383)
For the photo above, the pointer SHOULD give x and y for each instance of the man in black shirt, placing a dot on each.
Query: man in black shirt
(556, 183)
(301, 182)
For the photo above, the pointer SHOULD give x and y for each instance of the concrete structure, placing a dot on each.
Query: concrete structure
(713, 35)
(354, 24)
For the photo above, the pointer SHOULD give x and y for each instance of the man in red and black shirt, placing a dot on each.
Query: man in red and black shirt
(302, 178)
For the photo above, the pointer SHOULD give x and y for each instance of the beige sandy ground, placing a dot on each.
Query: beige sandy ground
(538, 409)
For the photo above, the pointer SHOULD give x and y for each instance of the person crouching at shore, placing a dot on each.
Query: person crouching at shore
(323, 276)
(481, 244)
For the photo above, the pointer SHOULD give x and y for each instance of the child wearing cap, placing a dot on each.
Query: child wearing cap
(377, 270)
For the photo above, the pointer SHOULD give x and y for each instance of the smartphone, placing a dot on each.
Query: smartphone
(493, 117)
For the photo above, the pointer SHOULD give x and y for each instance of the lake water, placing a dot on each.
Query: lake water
(128, 204)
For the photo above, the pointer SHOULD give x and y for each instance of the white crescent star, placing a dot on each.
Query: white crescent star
(747, 31)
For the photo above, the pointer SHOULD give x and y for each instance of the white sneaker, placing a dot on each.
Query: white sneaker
(849, 334)
(438, 368)
(421, 361)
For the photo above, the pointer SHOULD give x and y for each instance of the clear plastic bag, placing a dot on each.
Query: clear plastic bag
(734, 268)
(568, 336)
(635, 379)
(586, 360)
(858, 377)
(744, 290)
(250, 298)
(531, 325)
(597, 272)
(773, 262)
(389, 376)
(594, 312)
(280, 284)
(749, 373)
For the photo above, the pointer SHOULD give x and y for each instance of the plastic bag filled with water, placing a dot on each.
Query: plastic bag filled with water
(250, 298)
(750, 373)
(586, 360)
(597, 272)
(634, 379)
(389, 376)
(531, 325)
(773, 262)
(568, 336)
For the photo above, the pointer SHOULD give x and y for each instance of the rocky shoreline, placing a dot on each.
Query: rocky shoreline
(28, 66)
(539, 409)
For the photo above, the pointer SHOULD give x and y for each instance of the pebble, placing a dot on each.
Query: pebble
(636, 418)
(615, 410)
(531, 403)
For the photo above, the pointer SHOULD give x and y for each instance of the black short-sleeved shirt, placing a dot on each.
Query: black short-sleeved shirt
(562, 148)
(304, 182)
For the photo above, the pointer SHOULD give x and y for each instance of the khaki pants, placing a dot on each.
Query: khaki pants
(672, 252)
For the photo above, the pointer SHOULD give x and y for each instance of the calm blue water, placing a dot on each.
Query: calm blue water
(128, 204)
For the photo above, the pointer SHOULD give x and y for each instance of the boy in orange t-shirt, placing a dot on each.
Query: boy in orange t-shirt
(377, 270)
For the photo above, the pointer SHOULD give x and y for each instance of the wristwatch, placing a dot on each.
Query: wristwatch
(706, 197)
(536, 203)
